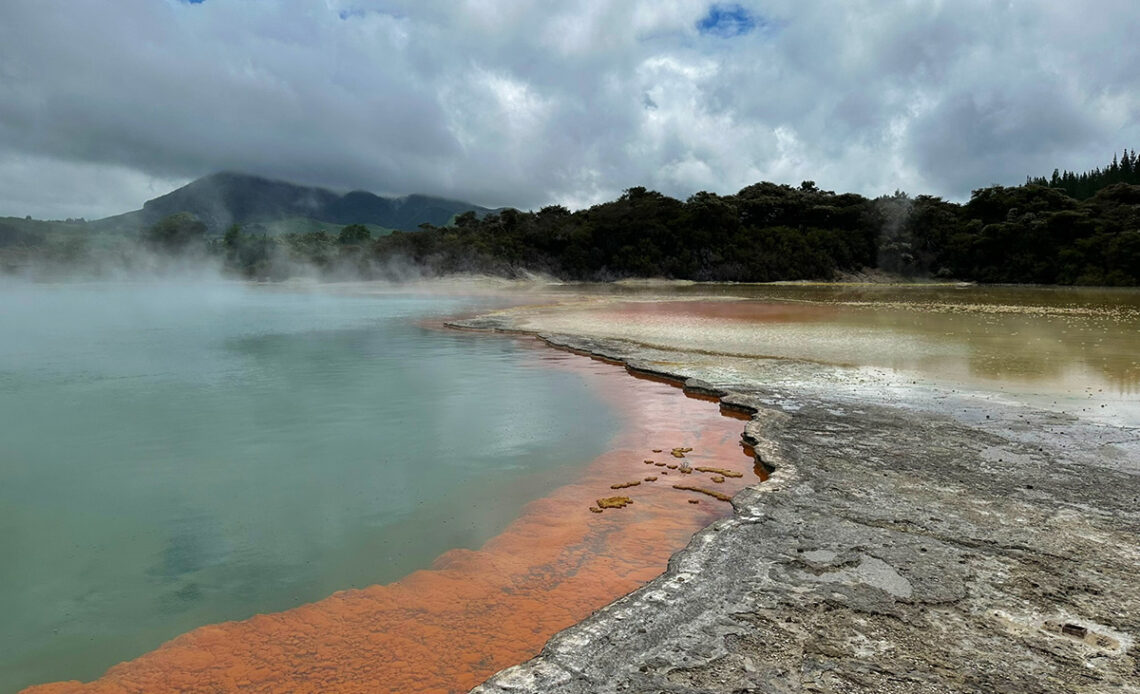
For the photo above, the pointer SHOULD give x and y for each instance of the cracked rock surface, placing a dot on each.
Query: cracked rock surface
(968, 547)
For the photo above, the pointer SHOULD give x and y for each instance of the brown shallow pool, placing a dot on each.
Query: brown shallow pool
(1072, 349)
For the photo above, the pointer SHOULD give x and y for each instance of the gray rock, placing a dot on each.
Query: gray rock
(894, 549)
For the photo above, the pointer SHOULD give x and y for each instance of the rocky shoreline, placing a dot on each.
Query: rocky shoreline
(947, 545)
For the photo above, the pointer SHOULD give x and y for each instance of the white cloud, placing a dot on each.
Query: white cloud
(515, 102)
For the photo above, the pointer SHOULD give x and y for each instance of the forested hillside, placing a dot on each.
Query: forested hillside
(1034, 233)
(766, 232)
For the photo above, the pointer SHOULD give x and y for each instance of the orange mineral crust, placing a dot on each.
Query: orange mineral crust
(447, 628)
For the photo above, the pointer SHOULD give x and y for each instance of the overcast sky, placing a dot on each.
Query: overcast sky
(104, 105)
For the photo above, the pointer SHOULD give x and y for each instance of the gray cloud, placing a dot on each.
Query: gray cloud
(507, 102)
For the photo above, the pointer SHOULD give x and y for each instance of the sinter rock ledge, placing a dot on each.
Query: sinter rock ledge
(980, 548)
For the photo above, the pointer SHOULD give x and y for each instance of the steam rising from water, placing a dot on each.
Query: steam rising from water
(189, 451)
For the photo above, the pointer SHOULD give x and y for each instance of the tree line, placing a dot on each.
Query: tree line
(767, 232)
(1082, 186)
(1036, 233)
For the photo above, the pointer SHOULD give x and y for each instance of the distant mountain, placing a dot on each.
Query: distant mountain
(223, 199)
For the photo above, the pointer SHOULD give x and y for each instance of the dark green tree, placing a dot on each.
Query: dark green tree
(175, 234)
(354, 235)
(232, 237)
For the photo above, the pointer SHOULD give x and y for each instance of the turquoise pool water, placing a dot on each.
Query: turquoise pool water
(178, 454)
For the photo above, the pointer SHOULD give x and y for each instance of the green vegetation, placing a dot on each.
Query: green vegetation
(65, 245)
(1082, 186)
(307, 225)
(768, 232)
(346, 253)
(227, 198)
(1035, 233)
(178, 233)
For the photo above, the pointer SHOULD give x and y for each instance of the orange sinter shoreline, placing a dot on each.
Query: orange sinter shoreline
(473, 613)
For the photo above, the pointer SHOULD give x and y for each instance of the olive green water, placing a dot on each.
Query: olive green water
(1071, 349)
(181, 454)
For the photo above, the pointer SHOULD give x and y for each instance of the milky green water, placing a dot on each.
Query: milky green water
(180, 454)
(1073, 350)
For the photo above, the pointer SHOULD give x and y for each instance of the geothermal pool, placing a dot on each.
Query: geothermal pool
(182, 454)
(1069, 349)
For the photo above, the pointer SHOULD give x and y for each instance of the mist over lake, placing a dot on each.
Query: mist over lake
(176, 454)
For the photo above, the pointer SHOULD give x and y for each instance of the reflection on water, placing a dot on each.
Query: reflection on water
(172, 456)
(1058, 340)
(476, 612)
(964, 295)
